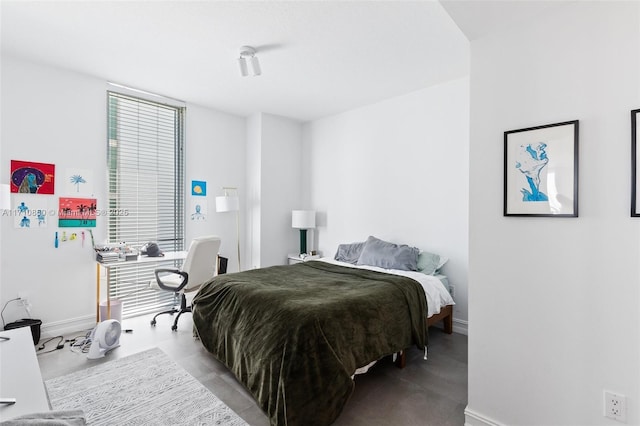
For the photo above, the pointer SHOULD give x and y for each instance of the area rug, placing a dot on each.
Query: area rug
(146, 388)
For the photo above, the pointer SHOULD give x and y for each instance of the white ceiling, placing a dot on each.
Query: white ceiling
(478, 18)
(318, 57)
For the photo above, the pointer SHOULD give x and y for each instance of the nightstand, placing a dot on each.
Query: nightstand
(295, 258)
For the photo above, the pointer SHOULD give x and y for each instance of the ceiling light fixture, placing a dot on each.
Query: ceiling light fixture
(248, 52)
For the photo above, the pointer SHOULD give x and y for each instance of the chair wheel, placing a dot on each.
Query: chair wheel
(174, 328)
(153, 323)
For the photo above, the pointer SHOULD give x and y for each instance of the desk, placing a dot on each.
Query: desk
(168, 256)
(20, 376)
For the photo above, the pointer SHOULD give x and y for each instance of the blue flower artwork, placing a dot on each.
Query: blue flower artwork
(541, 170)
(531, 162)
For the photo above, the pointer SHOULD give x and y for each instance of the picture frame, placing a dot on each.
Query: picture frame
(541, 170)
(77, 212)
(28, 177)
(635, 184)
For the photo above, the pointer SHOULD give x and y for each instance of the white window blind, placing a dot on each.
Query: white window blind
(146, 192)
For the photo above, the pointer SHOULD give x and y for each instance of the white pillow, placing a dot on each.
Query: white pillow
(443, 260)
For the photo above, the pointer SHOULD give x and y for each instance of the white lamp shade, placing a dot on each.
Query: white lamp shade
(255, 64)
(242, 62)
(226, 203)
(303, 219)
(5, 196)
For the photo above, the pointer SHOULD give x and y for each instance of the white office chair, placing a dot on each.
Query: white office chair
(200, 266)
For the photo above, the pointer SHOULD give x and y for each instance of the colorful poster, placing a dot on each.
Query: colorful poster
(198, 188)
(77, 212)
(32, 178)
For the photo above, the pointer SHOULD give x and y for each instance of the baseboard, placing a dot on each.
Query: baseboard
(73, 325)
(68, 326)
(472, 418)
(461, 326)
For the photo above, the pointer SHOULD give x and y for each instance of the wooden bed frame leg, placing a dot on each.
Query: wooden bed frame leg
(448, 324)
(446, 316)
(401, 359)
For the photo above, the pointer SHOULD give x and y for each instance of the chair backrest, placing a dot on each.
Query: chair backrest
(202, 261)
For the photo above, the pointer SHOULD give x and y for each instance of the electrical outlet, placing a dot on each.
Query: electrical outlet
(615, 406)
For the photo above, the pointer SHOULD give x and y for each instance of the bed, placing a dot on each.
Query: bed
(295, 335)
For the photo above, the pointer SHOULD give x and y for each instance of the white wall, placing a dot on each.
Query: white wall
(553, 302)
(274, 156)
(51, 116)
(215, 153)
(281, 187)
(254, 190)
(397, 170)
(57, 116)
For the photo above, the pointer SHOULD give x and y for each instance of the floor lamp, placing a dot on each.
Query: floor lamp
(231, 203)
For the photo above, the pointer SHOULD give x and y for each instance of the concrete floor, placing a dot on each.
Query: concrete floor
(432, 392)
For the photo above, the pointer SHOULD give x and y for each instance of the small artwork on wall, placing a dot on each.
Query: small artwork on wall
(29, 211)
(79, 182)
(77, 212)
(635, 160)
(28, 177)
(541, 171)
(198, 210)
(199, 188)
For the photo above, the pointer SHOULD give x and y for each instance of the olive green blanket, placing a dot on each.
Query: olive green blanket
(294, 335)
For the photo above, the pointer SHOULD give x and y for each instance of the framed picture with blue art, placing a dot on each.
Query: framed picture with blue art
(635, 153)
(198, 188)
(541, 171)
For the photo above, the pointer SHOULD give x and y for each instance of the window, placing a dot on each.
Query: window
(145, 163)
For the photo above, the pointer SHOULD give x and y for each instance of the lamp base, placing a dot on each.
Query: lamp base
(303, 241)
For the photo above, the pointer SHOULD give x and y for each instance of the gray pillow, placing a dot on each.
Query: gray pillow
(388, 255)
(428, 262)
(349, 253)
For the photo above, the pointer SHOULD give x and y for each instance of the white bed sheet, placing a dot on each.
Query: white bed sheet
(437, 294)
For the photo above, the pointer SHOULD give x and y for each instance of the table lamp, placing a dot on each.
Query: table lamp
(303, 220)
